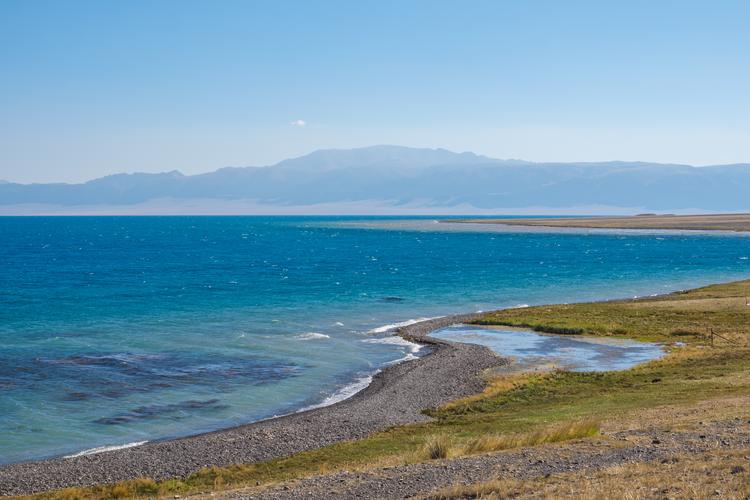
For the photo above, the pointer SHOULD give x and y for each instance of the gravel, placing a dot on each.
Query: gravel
(397, 395)
(581, 456)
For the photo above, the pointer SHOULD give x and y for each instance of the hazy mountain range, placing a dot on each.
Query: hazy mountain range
(393, 179)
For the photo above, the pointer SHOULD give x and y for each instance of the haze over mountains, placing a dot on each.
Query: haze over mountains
(395, 179)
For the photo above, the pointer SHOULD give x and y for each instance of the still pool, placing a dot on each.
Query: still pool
(575, 353)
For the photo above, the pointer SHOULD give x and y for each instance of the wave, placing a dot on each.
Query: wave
(393, 326)
(362, 382)
(395, 340)
(102, 449)
(344, 393)
(409, 356)
(113, 359)
(312, 336)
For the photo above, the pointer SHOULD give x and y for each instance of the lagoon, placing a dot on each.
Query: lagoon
(530, 349)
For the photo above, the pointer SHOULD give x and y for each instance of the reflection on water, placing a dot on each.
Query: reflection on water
(584, 354)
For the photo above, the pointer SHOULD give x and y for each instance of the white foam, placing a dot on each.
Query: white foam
(409, 356)
(520, 306)
(339, 323)
(312, 336)
(393, 326)
(102, 449)
(362, 382)
(344, 393)
(395, 340)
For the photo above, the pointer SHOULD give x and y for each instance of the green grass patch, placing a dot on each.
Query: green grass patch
(688, 316)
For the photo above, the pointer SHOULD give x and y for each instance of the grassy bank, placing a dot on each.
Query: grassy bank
(688, 316)
(527, 410)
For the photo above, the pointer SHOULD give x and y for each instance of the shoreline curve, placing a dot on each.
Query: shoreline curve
(396, 395)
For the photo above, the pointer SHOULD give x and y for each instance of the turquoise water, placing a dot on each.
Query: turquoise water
(116, 330)
(568, 352)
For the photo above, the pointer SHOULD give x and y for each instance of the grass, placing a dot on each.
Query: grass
(531, 409)
(438, 447)
(495, 386)
(447, 446)
(684, 316)
(496, 442)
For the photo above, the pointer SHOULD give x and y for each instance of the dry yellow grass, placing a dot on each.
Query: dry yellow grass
(438, 447)
(554, 434)
(442, 446)
(495, 385)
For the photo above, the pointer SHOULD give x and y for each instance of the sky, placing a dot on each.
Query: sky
(90, 88)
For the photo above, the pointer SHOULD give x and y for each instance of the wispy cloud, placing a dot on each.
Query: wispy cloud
(298, 123)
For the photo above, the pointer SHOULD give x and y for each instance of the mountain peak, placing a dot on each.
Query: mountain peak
(385, 156)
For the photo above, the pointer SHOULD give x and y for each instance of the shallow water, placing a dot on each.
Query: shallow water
(582, 354)
(116, 330)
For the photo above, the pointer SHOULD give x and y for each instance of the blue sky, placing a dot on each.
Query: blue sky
(92, 88)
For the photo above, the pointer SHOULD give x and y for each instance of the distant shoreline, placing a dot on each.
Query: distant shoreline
(711, 222)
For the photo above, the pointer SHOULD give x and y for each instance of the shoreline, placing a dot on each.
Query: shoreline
(396, 395)
(738, 223)
(342, 393)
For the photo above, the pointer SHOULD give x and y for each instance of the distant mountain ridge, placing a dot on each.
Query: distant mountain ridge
(379, 157)
(397, 176)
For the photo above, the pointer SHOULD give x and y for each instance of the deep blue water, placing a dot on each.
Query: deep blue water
(123, 329)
